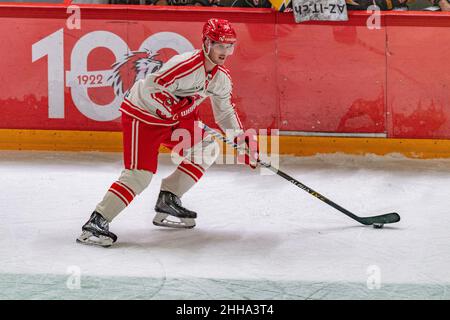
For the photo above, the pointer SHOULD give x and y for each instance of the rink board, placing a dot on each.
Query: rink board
(288, 145)
(336, 77)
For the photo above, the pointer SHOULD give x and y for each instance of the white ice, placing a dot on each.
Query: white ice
(257, 236)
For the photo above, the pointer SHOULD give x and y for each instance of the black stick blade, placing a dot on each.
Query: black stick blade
(382, 219)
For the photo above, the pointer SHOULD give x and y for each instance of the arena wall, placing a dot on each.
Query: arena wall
(327, 86)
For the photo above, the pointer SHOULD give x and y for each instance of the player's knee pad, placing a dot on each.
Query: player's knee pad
(137, 180)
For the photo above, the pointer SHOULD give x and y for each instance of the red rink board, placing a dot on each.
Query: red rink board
(313, 77)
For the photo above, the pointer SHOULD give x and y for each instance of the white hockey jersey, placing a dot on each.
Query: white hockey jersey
(183, 75)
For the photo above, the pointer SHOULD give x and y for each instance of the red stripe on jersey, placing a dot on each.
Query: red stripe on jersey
(175, 67)
(157, 99)
(214, 71)
(133, 106)
(179, 70)
(166, 99)
(180, 64)
(186, 73)
(239, 121)
(169, 95)
(237, 116)
(227, 73)
(134, 133)
(144, 116)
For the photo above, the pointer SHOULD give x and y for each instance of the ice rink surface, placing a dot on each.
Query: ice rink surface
(257, 236)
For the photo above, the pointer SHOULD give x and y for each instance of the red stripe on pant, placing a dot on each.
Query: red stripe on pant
(123, 192)
(193, 170)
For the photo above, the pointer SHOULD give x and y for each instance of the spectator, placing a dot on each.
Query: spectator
(206, 3)
(90, 2)
(443, 4)
(383, 4)
(247, 3)
(147, 2)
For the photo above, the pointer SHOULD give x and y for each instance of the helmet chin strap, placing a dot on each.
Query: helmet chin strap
(206, 52)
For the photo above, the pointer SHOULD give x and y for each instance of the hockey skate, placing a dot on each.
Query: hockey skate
(169, 204)
(96, 232)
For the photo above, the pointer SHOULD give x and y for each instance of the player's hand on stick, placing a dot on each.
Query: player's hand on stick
(183, 108)
(248, 149)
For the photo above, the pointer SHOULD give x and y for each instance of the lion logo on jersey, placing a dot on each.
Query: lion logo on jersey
(139, 64)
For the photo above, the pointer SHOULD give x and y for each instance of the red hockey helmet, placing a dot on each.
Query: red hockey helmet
(219, 30)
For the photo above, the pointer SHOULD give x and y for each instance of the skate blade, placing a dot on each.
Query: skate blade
(88, 238)
(161, 220)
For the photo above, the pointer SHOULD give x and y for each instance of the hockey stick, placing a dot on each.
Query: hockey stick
(376, 221)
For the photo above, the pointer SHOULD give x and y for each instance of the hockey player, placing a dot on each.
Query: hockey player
(151, 111)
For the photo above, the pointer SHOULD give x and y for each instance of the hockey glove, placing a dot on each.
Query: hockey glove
(183, 108)
(248, 149)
